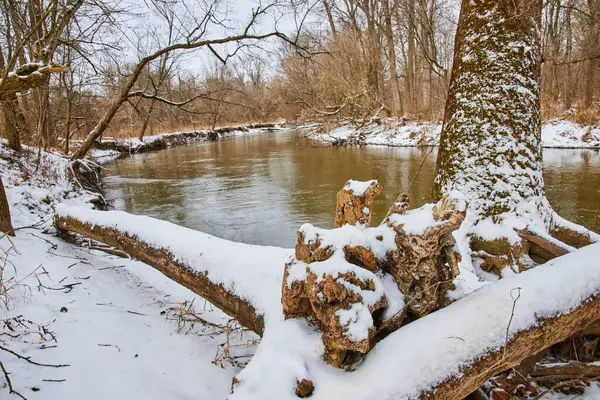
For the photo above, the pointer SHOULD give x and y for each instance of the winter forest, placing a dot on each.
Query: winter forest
(284, 199)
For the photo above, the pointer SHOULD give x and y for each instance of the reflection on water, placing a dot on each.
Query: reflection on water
(260, 188)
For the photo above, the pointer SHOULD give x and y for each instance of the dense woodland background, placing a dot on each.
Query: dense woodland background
(359, 59)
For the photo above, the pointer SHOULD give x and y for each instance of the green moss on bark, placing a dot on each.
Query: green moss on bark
(490, 146)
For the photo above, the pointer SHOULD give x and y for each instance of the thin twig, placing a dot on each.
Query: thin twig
(512, 314)
(28, 359)
(11, 390)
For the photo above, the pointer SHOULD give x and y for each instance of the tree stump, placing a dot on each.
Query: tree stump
(355, 202)
(337, 279)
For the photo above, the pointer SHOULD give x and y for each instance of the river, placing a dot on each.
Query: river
(260, 188)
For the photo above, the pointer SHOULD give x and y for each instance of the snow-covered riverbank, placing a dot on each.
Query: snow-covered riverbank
(122, 327)
(111, 149)
(125, 330)
(398, 133)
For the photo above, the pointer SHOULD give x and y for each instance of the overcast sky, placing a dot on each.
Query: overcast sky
(239, 12)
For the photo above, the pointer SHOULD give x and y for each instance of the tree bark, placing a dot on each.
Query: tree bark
(5, 220)
(592, 51)
(389, 34)
(490, 145)
(146, 120)
(330, 18)
(411, 80)
(524, 345)
(14, 121)
(159, 258)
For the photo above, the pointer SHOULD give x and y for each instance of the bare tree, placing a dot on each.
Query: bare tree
(31, 40)
(190, 37)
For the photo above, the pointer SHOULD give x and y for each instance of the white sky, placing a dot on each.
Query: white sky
(238, 12)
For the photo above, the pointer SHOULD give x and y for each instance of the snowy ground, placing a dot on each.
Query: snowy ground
(392, 132)
(112, 319)
(116, 330)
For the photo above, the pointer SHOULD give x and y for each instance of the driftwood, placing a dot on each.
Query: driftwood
(158, 258)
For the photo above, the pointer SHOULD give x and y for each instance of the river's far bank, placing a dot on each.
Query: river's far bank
(399, 132)
(108, 150)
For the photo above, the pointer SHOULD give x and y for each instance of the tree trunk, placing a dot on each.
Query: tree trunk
(568, 50)
(396, 95)
(14, 121)
(5, 220)
(68, 118)
(490, 146)
(146, 120)
(330, 18)
(411, 68)
(100, 127)
(592, 53)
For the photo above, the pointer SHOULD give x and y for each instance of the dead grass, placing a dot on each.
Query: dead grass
(585, 117)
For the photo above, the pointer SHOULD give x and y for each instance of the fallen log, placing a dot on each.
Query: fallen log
(443, 356)
(570, 370)
(447, 354)
(242, 280)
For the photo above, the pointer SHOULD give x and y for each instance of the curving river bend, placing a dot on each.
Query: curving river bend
(260, 188)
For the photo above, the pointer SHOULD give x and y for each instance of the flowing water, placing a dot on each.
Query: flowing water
(259, 189)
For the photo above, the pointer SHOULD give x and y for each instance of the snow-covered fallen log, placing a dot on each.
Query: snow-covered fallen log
(444, 355)
(242, 280)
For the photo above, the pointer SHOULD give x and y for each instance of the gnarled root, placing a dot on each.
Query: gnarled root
(534, 248)
(336, 280)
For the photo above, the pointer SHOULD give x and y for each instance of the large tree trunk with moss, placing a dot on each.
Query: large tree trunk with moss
(490, 146)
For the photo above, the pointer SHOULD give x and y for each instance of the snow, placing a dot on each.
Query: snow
(388, 132)
(556, 133)
(417, 221)
(429, 350)
(358, 188)
(380, 239)
(118, 344)
(566, 134)
(252, 272)
(112, 352)
(113, 335)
